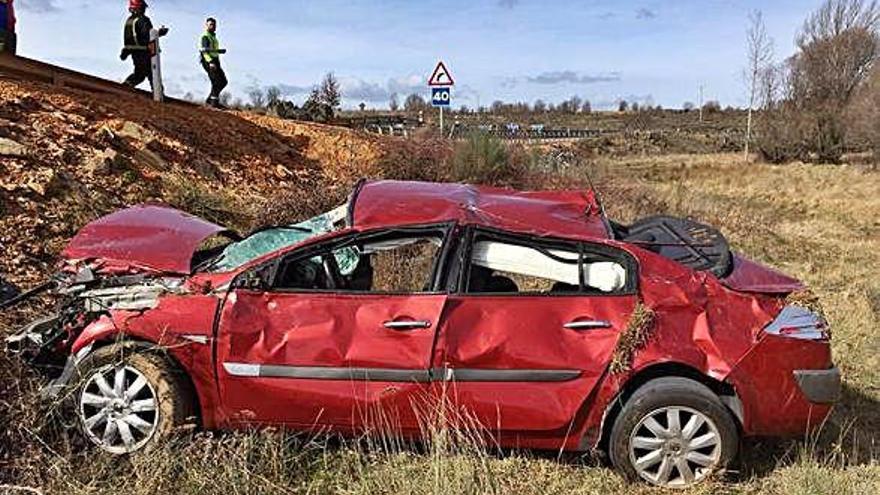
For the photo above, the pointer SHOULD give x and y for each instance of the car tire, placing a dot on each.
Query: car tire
(129, 399)
(673, 432)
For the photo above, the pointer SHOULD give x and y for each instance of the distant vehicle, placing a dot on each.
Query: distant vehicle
(550, 325)
(536, 127)
(512, 128)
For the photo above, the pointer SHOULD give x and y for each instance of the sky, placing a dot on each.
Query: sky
(650, 51)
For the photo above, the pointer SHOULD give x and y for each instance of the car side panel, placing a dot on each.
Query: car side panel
(501, 335)
(314, 333)
(180, 324)
(699, 324)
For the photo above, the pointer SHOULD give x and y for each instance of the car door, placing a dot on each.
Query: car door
(532, 329)
(338, 334)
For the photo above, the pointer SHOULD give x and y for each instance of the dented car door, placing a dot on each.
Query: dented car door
(532, 330)
(342, 336)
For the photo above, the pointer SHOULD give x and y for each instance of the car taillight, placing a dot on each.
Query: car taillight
(799, 323)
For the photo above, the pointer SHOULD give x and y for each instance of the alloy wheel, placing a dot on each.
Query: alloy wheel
(675, 447)
(118, 408)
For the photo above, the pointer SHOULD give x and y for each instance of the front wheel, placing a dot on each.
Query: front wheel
(673, 432)
(128, 401)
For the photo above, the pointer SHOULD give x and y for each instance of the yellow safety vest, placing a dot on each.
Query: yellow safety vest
(211, 52)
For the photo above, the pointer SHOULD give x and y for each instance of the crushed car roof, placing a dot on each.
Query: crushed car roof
(573, 214)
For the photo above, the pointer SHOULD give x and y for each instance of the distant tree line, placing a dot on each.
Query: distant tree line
(574, 105)
(322, 104)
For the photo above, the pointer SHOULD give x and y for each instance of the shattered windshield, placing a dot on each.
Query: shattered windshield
(265, 241)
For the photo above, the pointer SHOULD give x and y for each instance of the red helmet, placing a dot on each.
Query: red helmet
(136, 4)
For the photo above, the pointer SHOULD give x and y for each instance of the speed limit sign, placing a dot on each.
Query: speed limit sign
(440, 97)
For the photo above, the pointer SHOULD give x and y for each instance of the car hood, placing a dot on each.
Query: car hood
(147, 236)
(750, 276)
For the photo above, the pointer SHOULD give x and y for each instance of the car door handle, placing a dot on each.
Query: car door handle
(407, 324)
(587, 324)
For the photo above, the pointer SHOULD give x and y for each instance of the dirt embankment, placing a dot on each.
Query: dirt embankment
(67, 157)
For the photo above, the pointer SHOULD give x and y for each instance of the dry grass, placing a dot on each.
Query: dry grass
(815, 222)
(634, 337)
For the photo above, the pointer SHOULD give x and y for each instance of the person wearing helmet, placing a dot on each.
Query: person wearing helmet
(136, 39)
(209, 55)
(7, 27)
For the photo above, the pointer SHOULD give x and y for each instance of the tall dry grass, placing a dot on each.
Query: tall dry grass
(818, 223)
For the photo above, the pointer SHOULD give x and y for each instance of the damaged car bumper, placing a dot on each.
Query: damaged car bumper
(819, 386)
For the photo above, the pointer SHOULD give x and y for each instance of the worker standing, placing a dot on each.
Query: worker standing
(209, 55)
(7, 27)
(136, 36)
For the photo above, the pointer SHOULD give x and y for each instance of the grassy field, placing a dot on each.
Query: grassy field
(820, 223)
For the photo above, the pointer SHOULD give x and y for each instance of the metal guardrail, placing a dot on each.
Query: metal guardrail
(22, 68)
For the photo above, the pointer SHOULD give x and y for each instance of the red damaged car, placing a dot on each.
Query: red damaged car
(530, 312)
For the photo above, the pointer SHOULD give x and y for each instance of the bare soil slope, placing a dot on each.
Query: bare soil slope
(68, 157)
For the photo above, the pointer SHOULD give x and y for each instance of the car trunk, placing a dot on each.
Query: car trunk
(750, 276)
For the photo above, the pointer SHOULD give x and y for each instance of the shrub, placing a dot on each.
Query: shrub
(484, 159)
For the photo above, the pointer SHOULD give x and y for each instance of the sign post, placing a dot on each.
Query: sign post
(441, 83)
(155, 64)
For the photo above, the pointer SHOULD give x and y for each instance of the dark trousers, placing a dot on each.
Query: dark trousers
(217, 77)
(7, 42)
(143, 70)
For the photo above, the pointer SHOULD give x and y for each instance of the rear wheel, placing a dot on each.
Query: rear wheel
(129, 400)
(673, 432)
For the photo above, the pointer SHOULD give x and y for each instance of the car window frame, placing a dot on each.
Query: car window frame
(463, 262)
(439, 269)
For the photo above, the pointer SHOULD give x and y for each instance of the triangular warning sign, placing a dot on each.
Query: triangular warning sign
(441, 76)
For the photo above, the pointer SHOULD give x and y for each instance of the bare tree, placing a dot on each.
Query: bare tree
(273, 96)
(759, 51)
(393, 104)
(839, 45)
(414, 103)
(257, 97)
(811, 94)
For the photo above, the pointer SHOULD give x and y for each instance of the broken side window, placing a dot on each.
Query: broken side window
(390, 265)
(504, 267)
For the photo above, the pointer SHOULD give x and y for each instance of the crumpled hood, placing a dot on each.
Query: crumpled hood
(146, 236)
(750, 276)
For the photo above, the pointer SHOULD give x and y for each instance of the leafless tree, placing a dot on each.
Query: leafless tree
(273, 95)
(257, 97)
(414, 103)
(809, 96)
(393, 104)
(759, 51)
(839, 46)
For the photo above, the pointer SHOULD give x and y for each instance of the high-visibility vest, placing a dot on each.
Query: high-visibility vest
(209, 53)
(131, 33)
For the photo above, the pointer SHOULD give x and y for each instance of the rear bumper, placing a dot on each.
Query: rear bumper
(787, 386)
(819, 386)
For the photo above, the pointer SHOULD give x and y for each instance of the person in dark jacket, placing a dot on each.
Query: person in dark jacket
(136, 39)
(209, 55)
(7, 27)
